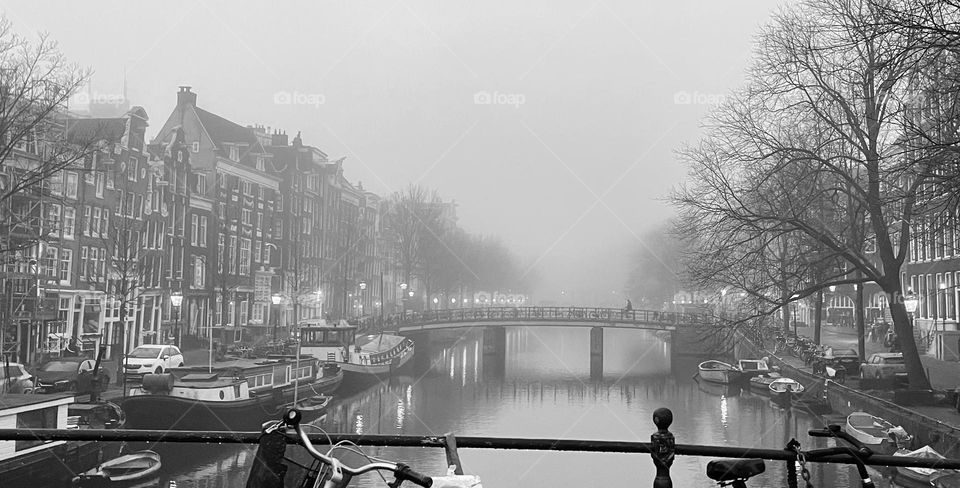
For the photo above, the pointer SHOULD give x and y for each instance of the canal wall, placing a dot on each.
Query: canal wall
(926, 429)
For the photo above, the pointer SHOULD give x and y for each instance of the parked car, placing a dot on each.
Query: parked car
(14, 378)
(152, 358)
(884, 365)
(848, 358)
(60, 374)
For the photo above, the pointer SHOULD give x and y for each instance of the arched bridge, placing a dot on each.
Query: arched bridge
(542, 316)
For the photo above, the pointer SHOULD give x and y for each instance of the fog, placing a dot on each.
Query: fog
(551, 124)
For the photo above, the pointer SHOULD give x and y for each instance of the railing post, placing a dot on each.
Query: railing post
(453, 457)
(662, 446)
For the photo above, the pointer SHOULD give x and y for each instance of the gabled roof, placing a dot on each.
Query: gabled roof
(222, 131)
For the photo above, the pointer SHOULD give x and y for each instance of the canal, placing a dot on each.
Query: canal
(541, 389)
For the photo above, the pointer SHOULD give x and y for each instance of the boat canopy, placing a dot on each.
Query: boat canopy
(378, 342)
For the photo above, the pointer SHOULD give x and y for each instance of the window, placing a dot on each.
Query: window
(259, 221)
(99, 184)
(247, 188)
(233, 254)
(256, 315)
(35, 419)
(279, 202)
(201, 188)
(222, 211)
(243, 312)
(244, 256)
(278, 230)
(66, 262)
(69, 221)
(199, 270)
(84, 263)
(96, 222)
(256, 251)
(110, 182)
(105, 223)
(260, 164)
(235, 153)
(194, 229)
(220, 254)
(132, 168)
(247, 216)
(48, 262)
(203, 231)
(54, 215)
(138, 207)
(73, 181)
(195, 147)
(266, 254)
(103, 262)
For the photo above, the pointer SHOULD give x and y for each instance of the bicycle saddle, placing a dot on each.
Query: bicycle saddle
(734, 469)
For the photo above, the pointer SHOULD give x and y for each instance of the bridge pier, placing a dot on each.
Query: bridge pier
(494, 352)
(596, 353)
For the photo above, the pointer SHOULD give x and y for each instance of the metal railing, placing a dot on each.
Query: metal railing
(662, 447)
(541, 314)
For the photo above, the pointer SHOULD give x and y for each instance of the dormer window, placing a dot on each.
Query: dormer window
(195, 147)
(235, 153)
(260, 163)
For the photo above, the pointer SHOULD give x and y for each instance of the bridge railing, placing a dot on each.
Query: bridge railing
(543, 314)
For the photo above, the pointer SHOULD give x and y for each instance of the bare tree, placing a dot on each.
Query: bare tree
(825, 99)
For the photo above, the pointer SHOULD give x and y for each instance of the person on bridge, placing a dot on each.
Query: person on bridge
(629, 306)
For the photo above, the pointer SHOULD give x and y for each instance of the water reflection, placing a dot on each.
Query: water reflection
(540, 386)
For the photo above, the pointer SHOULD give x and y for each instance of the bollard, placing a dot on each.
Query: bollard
(662, 446)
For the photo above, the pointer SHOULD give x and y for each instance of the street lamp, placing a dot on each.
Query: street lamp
(176, 299)
(276, 299)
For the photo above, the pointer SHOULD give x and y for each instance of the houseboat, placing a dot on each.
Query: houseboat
(236, 395)
(362, 357)
(30, 463)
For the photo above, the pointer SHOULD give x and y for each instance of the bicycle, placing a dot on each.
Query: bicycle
(333, 473)
(736, 472)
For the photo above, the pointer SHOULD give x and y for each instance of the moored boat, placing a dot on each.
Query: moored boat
(718, 372)
(136, 466)
(362, 357)
(238, 396)
(923, 476)
(783, 390)
(761, 384)
(753, 367)
(29, 463)
(876, 432)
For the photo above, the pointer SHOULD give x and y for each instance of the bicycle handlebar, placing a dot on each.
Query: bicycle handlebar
(340, 473)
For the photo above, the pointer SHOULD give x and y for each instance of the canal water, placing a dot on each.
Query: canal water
(541, 388)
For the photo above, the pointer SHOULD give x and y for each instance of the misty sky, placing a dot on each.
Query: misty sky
(567, 163)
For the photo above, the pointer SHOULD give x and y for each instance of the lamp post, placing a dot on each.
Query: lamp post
(403, 299)
(363, 287)
(176, 299)
(276, 298)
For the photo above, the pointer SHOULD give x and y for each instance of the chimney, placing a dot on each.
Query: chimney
(278, 139)
(185, 96)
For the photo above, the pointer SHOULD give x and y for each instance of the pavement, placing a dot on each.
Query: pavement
(943, 375)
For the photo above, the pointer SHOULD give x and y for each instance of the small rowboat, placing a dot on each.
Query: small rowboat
(761, 384)
(923, 476)
(782, 389)
(719, 372)
(139, 465)
(875, 431)
(753, 367)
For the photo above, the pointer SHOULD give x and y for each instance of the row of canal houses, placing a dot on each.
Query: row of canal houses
(248, 230)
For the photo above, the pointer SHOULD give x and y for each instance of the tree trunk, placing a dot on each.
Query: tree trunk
(818, 318)
(858, 317)
(904, 329)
